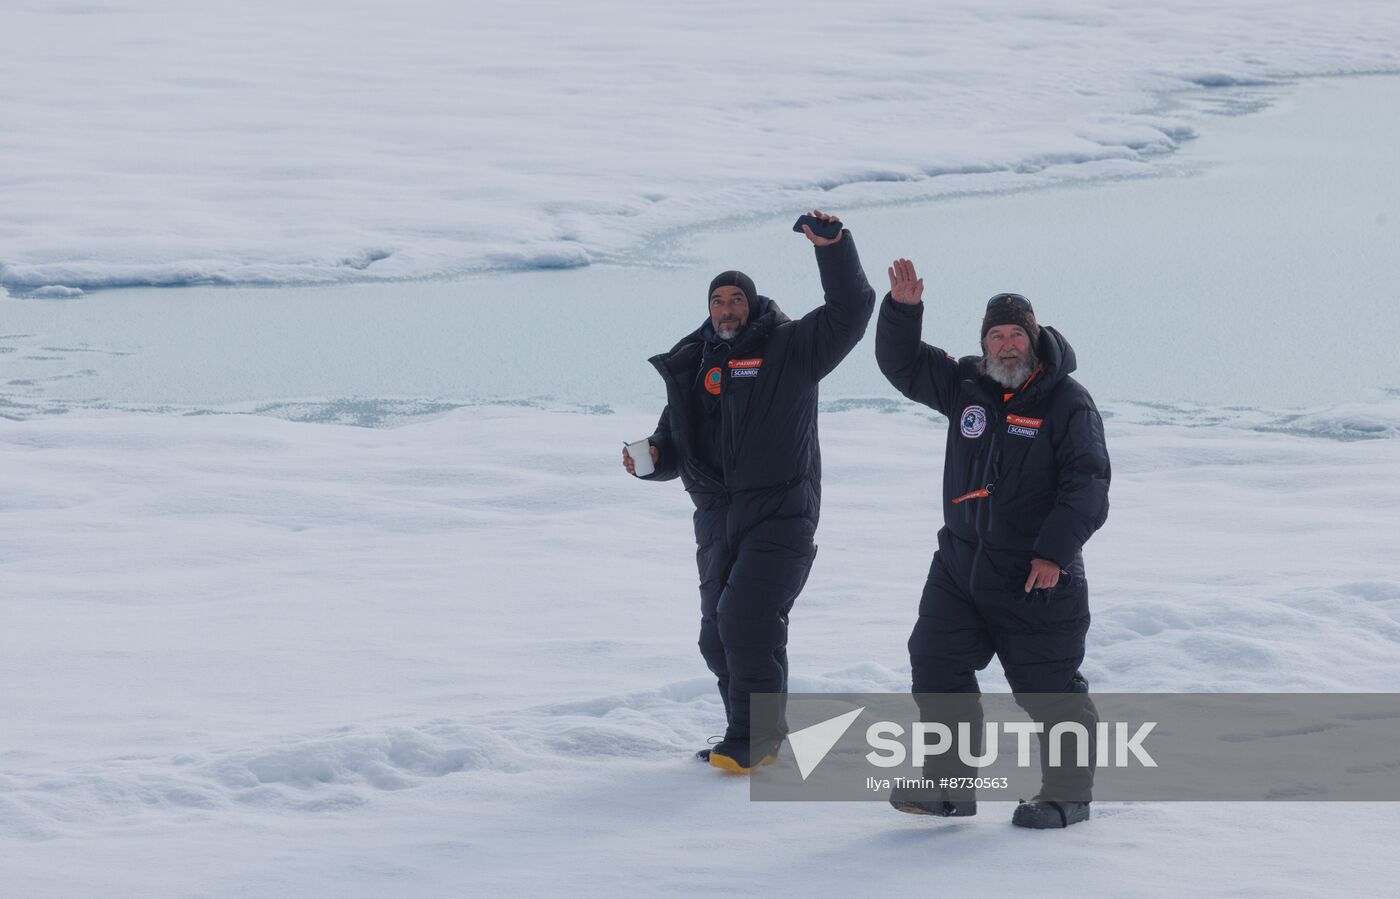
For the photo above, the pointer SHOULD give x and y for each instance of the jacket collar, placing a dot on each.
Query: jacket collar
(753, 337)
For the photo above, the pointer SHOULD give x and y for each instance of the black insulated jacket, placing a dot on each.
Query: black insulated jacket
(767, 394)
(1022, 478)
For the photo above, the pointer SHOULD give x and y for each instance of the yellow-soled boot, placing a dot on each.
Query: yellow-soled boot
(735, 757)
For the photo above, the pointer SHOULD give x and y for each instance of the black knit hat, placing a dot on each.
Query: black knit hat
(741, 281)
(1011, 309)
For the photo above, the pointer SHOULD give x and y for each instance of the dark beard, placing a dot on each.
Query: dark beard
(1011, 377)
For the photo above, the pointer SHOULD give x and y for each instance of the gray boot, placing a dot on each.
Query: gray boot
(941, 808)
(1050, 814)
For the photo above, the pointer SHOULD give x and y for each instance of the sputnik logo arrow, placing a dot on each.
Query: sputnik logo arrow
(811, 744)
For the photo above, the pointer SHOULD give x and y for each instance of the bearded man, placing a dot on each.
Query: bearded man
(1025, 484)
(740, 430)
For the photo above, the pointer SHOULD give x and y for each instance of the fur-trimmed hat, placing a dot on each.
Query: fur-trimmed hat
(741, 281)
(1011, 309)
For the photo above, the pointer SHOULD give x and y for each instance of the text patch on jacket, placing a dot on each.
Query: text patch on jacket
(745, 368)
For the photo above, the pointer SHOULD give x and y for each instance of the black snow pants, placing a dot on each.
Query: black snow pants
(754, 559)
(1039, 639)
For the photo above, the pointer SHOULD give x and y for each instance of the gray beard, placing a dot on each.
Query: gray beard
(728, 334)
(1009, 375)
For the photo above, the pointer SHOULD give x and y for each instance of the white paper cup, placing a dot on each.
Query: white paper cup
(640, 453)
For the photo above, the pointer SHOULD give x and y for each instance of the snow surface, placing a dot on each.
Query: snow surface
(167, 142)
(247, 656)
(244, 655)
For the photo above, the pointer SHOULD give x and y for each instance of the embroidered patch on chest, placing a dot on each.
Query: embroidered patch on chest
(712, 381)
(744, 368)
(1022, 426)
(973, 421)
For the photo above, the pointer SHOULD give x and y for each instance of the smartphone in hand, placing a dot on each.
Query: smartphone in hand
(829, 230)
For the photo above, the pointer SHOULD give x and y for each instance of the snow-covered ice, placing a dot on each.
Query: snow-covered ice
(1230, 260)
(167, 142)
(252, 654)
(247, 656)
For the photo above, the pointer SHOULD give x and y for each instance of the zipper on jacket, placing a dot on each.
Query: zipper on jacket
(731, 461)
(980, 521)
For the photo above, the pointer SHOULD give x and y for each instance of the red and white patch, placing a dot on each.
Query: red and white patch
(744, 368)
(1022, 426)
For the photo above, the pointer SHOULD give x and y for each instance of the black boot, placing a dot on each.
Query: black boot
(1050, 814)
(704, 754)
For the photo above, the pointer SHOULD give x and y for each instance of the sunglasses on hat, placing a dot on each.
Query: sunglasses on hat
(1015, 299)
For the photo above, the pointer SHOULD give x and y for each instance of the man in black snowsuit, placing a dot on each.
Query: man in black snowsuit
(1025, 484)
(740, 429)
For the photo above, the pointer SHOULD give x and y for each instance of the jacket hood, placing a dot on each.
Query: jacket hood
(1055, 353)
(1057, 360)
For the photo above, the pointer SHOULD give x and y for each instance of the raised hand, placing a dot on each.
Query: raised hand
(905, 284)
(821, 241)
